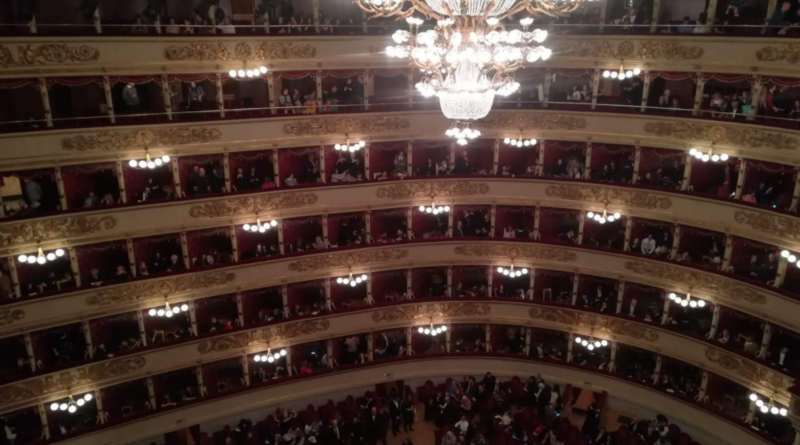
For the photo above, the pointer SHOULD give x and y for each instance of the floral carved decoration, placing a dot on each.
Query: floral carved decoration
(669, 51)
(247, 205)
(500, 120)
(112, 140)
(535, 253)
(720, 286)
(158, 288)
(339, 125)
(604, 49)
(55, 228)
(9, 316)
(785, 53)
(349, 259)
(748, 370)
(407, 190)
(66, 380)
(415, 311)
(208, 52)
(49, 53)
(599, 323)
(638, 199)
(775, 225)
(730, 134)
(285, 331)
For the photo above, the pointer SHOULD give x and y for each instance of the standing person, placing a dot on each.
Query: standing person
(395, 412)
(196, 95)
(409, 413)
(131, 98)
(33, 193)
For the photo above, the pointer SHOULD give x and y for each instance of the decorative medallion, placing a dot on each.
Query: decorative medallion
(721, 287)
(610, 325)
(730, 134)
(66, 380)
(749, 371)
(262, 336)
(785, 53)
(409, 190)
(348, 259)
(525, 252)
(341, 125)
(415, 311)
(532, 121)
(112, 140)
(158, 288)
(9, 316)
(774, 225)
(210, 52)
(54, 228)
(618, 196)
(247, 205)
(50, 53)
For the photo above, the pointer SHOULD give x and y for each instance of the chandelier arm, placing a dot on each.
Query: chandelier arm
(489, 9)
(554, 11)
(424, 9)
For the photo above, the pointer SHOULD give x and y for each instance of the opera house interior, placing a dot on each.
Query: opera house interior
(405, 222)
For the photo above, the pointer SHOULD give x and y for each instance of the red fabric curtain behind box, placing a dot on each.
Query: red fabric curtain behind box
(554, 223)
(136, 179)
(247, 242)
(744, 250)
(209, 163)
(110, 331)
(472, 278)
(571, 154)
(32, 275)
(222, 308)
(146, 251)
(609, 162)
(781, 178)
(129, 394)
(105, 257)
(346, 229)
(392, 283)
(517, 159)
(307, 229)
(519, 219)
(642, 228)
(480, 155)
(608, 235)
(255, 301)
(429, 282)
(382, 155)
(256, 169)
(475, 220)
(511, 285)
(80, 180)
(295, 161)
(652, 159)
(391, 89)
(557, 282)
(700, 244)
(215, 242)
(423, 151)
(387, 222)
(718, 179)
(344, 293)
(428, 226)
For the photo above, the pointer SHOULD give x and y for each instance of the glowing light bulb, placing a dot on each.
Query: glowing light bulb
(352, 284)
(158, 162)
(753, 397)
(444, 328)
(165, 158)
(701, 303)
(792, 258)
(232, 73)
(421, 330)
(672, 296)
(590, 215)
(22, 258)
(262, 69)
(590, 347)
(41, 260)
(764, 409)
(257, 358)
(604, 343)
(270, 359)
(427, 331)
(132, 163)
(63, 407)
(160, 312)
(152, 312)
(774, 410)
(72, 409)
(783, 412)
(54, 406)
(283, 353)
(184, 307)
(31, 259)
(80, 402)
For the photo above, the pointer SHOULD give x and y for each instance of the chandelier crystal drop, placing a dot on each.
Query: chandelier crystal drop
(510, 272)
(688, 301)
(168, 311)
(591, 343)
(269, 357)
(352, 282)
(259, 227)
(243, 74)
(432, 331)
(710, 156)
(40, 257)
(148, 162)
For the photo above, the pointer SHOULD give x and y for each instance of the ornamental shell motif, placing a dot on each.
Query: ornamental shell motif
(535, 253)
(209, 52)
(54, 228)
(158, 288)
(619, 196)
(604, 324)
(349, 259)
(414, 311)
(409, 190)
(247, 205)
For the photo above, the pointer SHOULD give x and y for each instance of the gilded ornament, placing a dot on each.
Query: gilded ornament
(599, 323)
(784, 53)
(530, 121)
(774, 225)
(53, 53)
(248, 205)
(6, 58)
(534, 253)
(731, 134)
(340, 125)
(748, 370)
(9, 316)
(110, 140)
(262, 336)
(669, 51)
(348, 259)
(158, 288)
(722, 287)
(409, 190)
(209, 52)
(617, 196)
(55, 228)
(415, 311)
(285, 50)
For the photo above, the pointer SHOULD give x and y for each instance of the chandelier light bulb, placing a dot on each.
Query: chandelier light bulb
(41, 260)
(590, 347)
(54, 406)
(421, 330)
(80, 402)
(783, 412)
(283, 353)
(270, 359)
(585, 343)
(578, 340)
(63, 407)
(753, 397)
(257, 358)
(604, 343)
(72, 409)
(133, 163)
(701, 303)
(88, 396)
(764, 408)
(165, 158)
(672, 296)
(240, 73)
(785, 253)
(160, 312)
(152, 312)
(774, 410)
(427, 331)
(232, 73)
(684, 303)
(352, 284)
(792, 258)
(693, 304)
(184, 307)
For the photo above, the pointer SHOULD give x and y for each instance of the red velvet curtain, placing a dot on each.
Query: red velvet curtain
(429, 282)
(32, 275)
(743, 250)
(306, 228)
(254, 164)
(257, 300)
(517, 218)
(223, 308)
(517, 160)
(146, 249)
(129, 394)
(136, 179)
(608, 235)
(472, 278)
(472, 225)
(344, 293)
(215, 242)
(355, 223)
(427, 225)
(511, 285)
(293, 161)
(435, 151)
(555, 222)
(468, 333)
(391, 89)
(588, 284)
(779, 177)
(387, 222)
(110, 331)
(174, 384)
(77, 97)
(105, 257)
(698, 243)
(556, 281)
(570, 153)
(652, 159)
(381, 156)
(23, 102)
(80, 180)
(480, 155)
(392, 283)
(608, 161)
(641, 228)
(718, 179)
(209, 163)
(305, 294)
(247, 242)
(645, 297)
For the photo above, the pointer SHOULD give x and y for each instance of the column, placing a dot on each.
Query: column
(687, 172)
(758, 86)
(637, 159)
(570, 342)
(410, 157)
(48, 114)
(12, 270)
(698, 94)
(548, 75)
(142, 330)
(198, 372)
(657, 370)
(410, 78)
(329, 349)
(98, 401)
(628, 229)
(771, 6)
(449, 281)
(109, 99)
(370, 346)
(751, 412)
(369, 88)
(285, 298)
(711, 12)
(703, 387)
(87, 337)
(741, 178)
(185, 251)
(131, 256)
(496, 157)
(531, 282)
(537, 213)
(595, 87)
(62, 193)
(234, 244)
(540, 160)
(245, 369)
(323, 171)
(665, 312)
(620, 295)
(318, 79)
(281, 247)
(450, 224)
(33, 30)
(575, 282)
(29, 350)
(276, 169)
(166, 94)
(315, 8)
(783, 263)
(493, 220)
(409, 222)
(603, 14)
(193, 318)
(366, 162)
(220, 96)
(368, 286)
(588, 163)
(410, 282)
(240, 310)
(368, 227)
(676, 241)
(581, 224)
(488, 341)
(656, 16)
(489, 279)
(726, 260)
(176, 177)
(43, 421)
(271, 91)
(452, 159)
(121, 183)
(765, 341)
(328, 303)
(73, 263)
(527, 340)
(447, 338)
(98, 26)
(325, 227)
(645, 90)
(364, 22)
(226, 171)
(151, 392)
(714, 322)
(796, 194)
(612, 362)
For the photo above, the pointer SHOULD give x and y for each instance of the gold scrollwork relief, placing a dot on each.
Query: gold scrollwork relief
(66, 380)
(728, 134)
(111, 140)
(784, 53)
(596, 322)
(9, 316)
(49, 229)
(246, 205)
(415, 311)
(349, 259)
(54, 53)
(406, 190)
(651, 50)
(750, 371)
(630, 198)
(534, 253)
(722, 287)
(158, 288)
(262, 336)
(341, 125)
(774, 225)
(549, 121)
(208, 52)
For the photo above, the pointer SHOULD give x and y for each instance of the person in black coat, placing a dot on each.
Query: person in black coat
(407, 408)
(395, 413)
(334, 435)
(373, 427)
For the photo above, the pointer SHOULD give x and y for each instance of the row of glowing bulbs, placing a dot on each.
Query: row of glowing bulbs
(604, 217)
(591, 344)
(705, 157)
(434, 209)
(520, 142)
(621, 74)
(686, 302)
(72, 405)
(510, 272)
(269, 357)
(431, 330)
(790, 257)
(353, 282)
(168, 311)
(351, 148)
(40, 257)
(462, 135)
(241, 74)
(258, 227)
(770, 407)
(147, 162)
